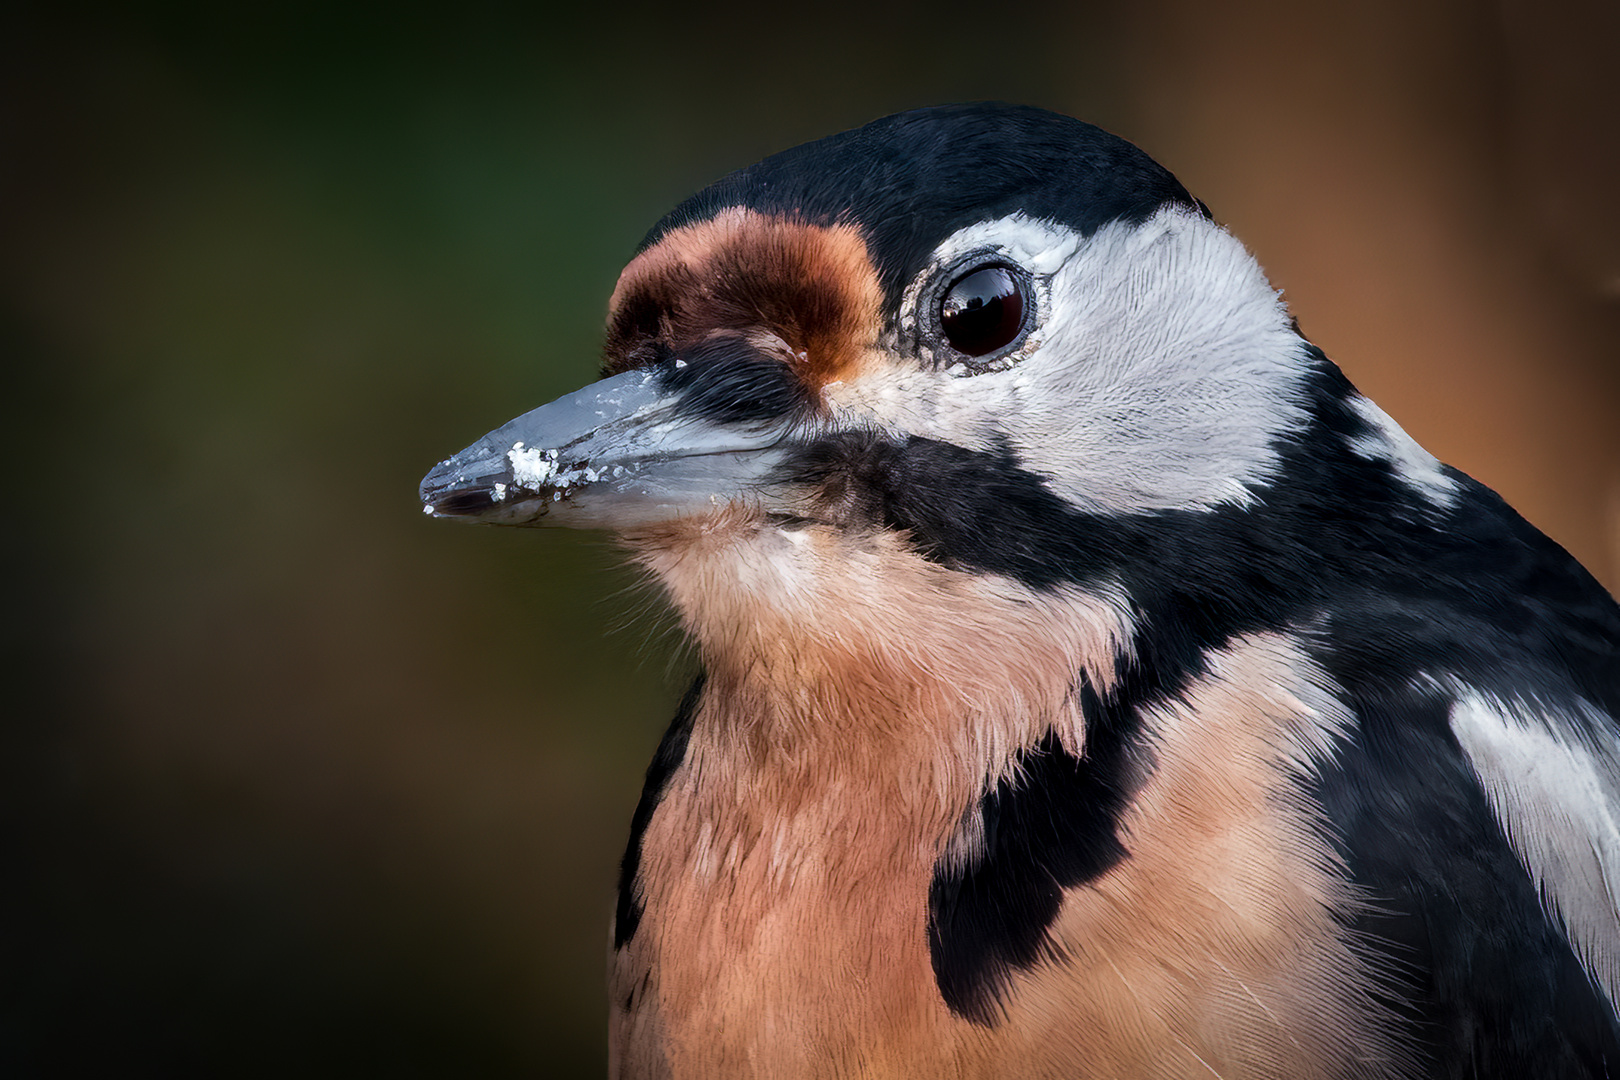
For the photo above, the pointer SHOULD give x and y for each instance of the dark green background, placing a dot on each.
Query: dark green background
(300, 783)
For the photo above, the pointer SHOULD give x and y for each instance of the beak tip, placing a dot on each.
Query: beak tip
(473, 487)
(453, 489)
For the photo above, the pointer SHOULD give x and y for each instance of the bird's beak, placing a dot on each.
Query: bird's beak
(618, 454)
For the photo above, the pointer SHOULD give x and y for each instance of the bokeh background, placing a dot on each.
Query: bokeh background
(297, 782)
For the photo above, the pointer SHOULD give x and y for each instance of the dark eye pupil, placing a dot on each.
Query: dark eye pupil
(982, 312)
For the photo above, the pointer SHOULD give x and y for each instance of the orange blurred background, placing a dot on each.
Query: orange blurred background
(300, 782)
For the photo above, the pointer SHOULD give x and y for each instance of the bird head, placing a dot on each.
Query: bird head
(959, 336)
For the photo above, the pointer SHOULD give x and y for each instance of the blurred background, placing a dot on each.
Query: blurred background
(299, 782)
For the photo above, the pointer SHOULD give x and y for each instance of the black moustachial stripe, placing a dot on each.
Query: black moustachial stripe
(671, 752)
(1406, 587)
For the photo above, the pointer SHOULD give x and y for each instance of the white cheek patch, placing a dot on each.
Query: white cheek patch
(1163, 368)
(1555, 788)
(1168, 370)
(1413, 465)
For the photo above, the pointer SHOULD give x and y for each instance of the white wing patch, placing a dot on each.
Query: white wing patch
(1554, 784)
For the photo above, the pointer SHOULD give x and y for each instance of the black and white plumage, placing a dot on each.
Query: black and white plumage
(1096, 684)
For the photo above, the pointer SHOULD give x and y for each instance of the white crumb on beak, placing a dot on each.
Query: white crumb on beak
(427, 508)
(531, 469)
(536, 471)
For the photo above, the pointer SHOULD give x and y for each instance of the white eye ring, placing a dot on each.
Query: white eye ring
(990, 335)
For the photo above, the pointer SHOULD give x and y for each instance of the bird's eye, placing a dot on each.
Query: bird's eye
(983, 311)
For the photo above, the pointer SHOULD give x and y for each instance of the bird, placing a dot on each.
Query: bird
(1094, 683)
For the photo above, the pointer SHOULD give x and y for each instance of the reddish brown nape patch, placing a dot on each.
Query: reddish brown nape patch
(812, 287)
